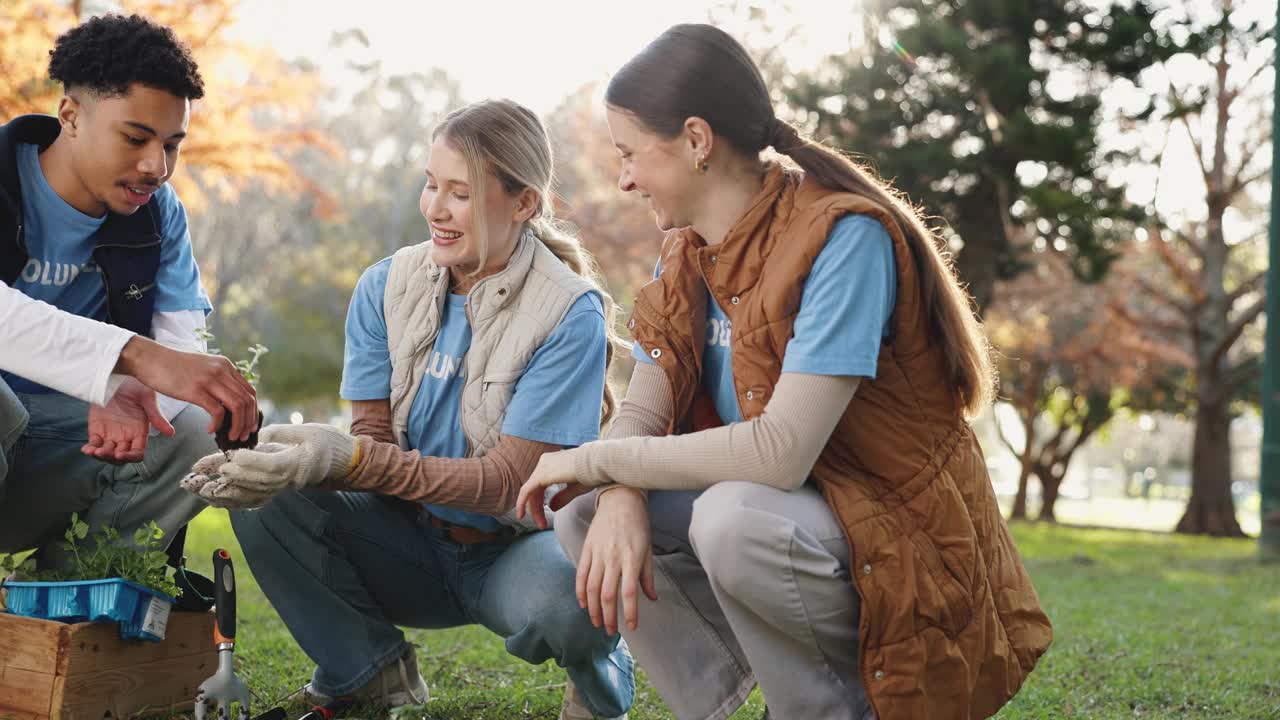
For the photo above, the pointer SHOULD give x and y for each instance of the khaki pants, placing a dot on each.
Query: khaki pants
(753, 586)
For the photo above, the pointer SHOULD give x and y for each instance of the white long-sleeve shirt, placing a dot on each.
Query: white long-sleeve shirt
(71, 354)
(76, 355)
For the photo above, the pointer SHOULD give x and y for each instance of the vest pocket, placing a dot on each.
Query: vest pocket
(940, 592)
(500, 378)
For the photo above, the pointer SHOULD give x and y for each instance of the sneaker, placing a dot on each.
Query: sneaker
(575, 708)
(396, 684)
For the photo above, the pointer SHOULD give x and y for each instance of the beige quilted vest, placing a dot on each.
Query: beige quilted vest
(511, 314)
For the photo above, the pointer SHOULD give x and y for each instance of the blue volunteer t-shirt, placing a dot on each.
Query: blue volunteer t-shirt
(556, 400)
(845, 310)
(60, 268)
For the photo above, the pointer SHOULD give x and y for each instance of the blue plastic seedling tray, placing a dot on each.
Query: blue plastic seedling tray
(142, 612)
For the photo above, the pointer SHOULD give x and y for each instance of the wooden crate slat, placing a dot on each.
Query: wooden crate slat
(97, 646)
(15, 715)
(29, 644)
(159, 685)
(24, 690)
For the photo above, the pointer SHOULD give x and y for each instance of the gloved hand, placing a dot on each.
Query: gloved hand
(319, 452)
(206, 481)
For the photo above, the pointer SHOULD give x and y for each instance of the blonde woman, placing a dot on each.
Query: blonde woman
(467, 357)
(820, 520)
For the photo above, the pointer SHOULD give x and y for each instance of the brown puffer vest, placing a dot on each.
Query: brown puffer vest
(950, 624)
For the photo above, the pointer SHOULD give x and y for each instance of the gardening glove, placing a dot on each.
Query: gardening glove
(206, 482)
(318, 453)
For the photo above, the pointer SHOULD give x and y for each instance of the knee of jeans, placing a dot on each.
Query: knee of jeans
(565, 626)
(191, 433)
(723, 537)
(13, 419)
(572, 522)
(251, 526)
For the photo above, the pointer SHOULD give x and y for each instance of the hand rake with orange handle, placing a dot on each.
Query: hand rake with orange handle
(223, 688)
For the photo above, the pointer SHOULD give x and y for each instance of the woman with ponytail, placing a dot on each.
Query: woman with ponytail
(468, 356)
(791, 482)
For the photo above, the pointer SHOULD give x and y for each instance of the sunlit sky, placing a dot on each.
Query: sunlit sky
(534, 52)
(539, 52)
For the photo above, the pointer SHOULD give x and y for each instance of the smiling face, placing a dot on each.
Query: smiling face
(660, 170)
(449, 204)
(123, 147)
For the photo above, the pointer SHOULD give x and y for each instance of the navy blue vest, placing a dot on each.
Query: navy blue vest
(126, 247)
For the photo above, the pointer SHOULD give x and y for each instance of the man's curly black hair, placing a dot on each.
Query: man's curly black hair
(108, 53)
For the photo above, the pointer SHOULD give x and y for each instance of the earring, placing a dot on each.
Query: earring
(700, 166)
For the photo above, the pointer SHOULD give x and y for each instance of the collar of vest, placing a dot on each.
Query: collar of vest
(733, 266)
(493, 293)
(40, 130)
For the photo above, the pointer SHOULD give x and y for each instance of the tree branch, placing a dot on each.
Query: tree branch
(1174, 327)
(1262, 67)
(1052, 445)
(1062, 456)
(1184, 274)
(1235, 328)
(1157, 293)
(1195, 141)
(1190, 243)
(1239, 375)
(1246, 287)
(1005, 439)
(1239, 183)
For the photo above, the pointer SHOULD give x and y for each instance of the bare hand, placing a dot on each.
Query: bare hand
(555, 468)
(616, 558)
(118, 432)
(208, 381)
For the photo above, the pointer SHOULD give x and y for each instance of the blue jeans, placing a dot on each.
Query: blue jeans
(44, 477)
(13, 422)
(345, 569)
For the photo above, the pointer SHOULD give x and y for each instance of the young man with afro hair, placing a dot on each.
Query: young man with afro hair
(101, 300)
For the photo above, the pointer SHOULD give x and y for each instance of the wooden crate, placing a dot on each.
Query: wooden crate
(56, 671)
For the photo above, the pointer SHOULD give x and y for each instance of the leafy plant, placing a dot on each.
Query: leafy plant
(247, 367)
(143, 563)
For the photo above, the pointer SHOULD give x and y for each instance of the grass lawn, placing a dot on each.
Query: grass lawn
(1154, 626)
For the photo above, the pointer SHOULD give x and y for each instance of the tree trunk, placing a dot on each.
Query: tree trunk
(1211, 510)
(1019, 510)
(1050, 482)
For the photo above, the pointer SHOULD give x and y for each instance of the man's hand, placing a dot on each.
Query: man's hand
(208, 381)
(118, 432)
